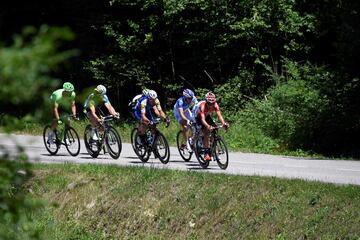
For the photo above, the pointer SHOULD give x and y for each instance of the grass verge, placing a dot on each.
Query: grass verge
(108, 202)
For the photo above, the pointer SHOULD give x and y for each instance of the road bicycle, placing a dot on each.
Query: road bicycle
(63, 135)
(108, 140)
(217, 149)
(186, 153)
(155, 142)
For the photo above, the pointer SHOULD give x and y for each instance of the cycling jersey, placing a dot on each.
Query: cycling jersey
(58, 99)
(202, 108)
(95, 100)
(143, 105)
(183, 104)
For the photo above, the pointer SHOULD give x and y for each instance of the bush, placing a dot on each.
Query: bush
(290, 111)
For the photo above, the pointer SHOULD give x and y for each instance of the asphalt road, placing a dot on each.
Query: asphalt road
(249, 164)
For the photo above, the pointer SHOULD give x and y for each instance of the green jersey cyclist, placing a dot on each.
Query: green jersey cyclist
(63, 99)
(95, 99)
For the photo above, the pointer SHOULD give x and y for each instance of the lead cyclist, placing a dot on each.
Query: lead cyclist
(64, 99)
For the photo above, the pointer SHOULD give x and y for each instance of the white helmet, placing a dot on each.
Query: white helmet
(152, 94)
(145, 91)
(101, 89)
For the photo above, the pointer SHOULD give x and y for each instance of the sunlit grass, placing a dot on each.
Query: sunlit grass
(109, 202)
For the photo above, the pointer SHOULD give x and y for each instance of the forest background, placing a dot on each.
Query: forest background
(287, 71)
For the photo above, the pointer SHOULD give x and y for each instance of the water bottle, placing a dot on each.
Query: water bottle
(149, 137)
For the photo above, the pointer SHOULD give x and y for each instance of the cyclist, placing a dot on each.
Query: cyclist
(133, 102)
(183, 114)
(63, 98)
(203, 119)
(147, 103)
(95, 99)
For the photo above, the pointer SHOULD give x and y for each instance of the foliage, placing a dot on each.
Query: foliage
(164, 41)
(26, 67)
(16, 206)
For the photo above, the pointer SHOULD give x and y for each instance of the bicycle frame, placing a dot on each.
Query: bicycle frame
(216, 148)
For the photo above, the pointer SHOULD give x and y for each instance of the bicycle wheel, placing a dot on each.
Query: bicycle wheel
(92, 147)
(140, 149)
(51, 148)
(220, 153)
(161, 148)
(133, 132)
(113, 143)
(200, 152)
(72, 141)
(184, 152)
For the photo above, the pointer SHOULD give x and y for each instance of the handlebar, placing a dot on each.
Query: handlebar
(108, 118)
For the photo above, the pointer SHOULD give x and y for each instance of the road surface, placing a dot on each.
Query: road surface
(249, 164)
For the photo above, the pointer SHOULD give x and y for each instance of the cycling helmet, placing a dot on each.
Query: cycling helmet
(145, 91)
(68, 87)
(152, 94)
(101, 89)
(210, 97)
(188, 93)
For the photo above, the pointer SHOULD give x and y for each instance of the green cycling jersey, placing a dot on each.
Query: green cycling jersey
(60, 99)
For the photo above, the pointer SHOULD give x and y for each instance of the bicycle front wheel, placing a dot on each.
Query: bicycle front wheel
(181, 146)
(93, 147)
(72, 141)
(220, 153)
(51, 147)
(161, 148)
(113, 143)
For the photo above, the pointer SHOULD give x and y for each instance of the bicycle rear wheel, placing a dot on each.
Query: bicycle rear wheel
(72, 141)
(200, 152)
(140, 148)
(113, 143)
(161, 148)
(220, 153)
(51, 148)
(92, 147)
(184, 152)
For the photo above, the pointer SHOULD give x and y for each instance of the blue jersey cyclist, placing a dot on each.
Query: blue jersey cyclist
(64, 99)
(96, 98)
(146, 104)
(183, 114)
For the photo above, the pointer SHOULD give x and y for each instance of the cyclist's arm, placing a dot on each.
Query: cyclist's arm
(56, 112)
(182, 115)
(220, 117)
(111, 109)
(73, 108)
(203, 120)
(144, 118)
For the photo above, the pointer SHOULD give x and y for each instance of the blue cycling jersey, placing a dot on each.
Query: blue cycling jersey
(182, 103)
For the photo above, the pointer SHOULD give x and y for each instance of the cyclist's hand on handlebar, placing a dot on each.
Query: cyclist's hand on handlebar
(209, 128)
(167, 121)
(226, 126)
(117, 115)
(76, 118)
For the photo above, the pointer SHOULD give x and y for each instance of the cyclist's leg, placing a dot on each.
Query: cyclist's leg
(93, 123)
(183, 125)
(141, 126)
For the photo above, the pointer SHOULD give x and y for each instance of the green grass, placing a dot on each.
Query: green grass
(108, 202)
